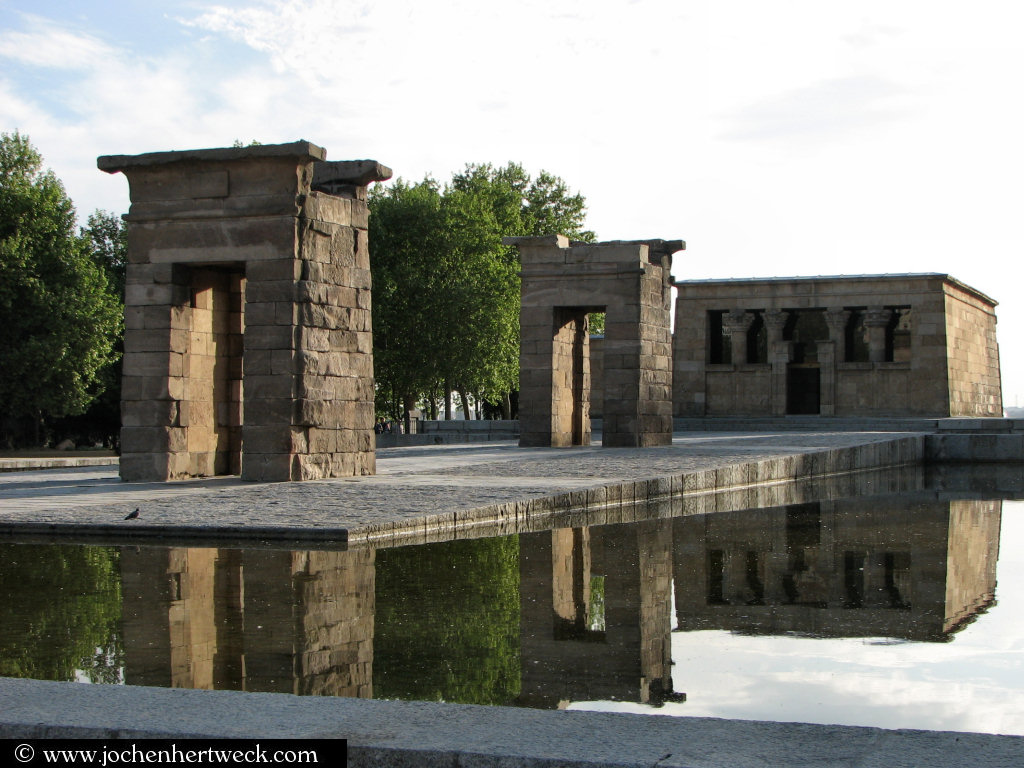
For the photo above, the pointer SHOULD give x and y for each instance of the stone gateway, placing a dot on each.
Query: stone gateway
(249, 259)
(562, 282)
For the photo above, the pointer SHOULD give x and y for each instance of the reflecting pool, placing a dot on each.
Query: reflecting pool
(860, 606)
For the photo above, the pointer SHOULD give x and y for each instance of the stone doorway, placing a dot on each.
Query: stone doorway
(571, 374)
(803, 389)
(212, 371)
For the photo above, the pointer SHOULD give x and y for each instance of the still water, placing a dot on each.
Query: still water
(893, 610)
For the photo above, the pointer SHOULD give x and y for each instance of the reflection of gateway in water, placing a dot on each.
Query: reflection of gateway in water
(595, 618)
(594, 602)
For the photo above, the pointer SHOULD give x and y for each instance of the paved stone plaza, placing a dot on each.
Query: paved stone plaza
(413, 484)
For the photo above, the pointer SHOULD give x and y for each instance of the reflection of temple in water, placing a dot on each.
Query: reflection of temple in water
(595, 616)
(254, 620)
(595, 602)
(911, 567)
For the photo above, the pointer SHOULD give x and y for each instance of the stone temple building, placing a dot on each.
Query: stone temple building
(920, 345)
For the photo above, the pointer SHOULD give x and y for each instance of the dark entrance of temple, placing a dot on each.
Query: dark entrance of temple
(803, 389)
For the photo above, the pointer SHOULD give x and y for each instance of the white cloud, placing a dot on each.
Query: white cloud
(51, 47)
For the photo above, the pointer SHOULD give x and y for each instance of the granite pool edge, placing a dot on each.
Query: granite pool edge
(598, 505)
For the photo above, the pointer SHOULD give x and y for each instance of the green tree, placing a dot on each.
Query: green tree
(526, 206)
(59, 318)
(406, 233)
(107, 239)
(451, 288)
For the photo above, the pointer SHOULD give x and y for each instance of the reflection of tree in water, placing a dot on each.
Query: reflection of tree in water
(60, 612)
(447, 622)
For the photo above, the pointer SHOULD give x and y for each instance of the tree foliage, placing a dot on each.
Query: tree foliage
(59, 314)
(100, 423)
(407, 240)
(445, 288)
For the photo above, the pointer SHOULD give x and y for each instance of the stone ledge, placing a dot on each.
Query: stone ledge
(401, 733)
(950, 424)
(997, 447)
(619, 502)
(18, 465)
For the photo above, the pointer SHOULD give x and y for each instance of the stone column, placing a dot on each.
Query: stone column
(774, 323)
(779, 354)
(837, 320)
(827, 371)
(876, 320)
(830, 353)
(536, 376)
(735, 324)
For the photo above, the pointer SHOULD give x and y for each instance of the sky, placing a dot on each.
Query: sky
(796, 137)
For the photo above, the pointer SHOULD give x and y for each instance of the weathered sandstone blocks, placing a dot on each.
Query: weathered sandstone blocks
(562, 283)
(248, 314)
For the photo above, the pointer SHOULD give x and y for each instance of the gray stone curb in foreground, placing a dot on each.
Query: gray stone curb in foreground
(398, 733)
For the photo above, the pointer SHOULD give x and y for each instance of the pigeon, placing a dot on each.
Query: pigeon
(133, 514)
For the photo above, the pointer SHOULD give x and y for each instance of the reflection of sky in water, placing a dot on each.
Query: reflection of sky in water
(973, 683)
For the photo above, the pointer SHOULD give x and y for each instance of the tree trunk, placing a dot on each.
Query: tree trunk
(466, 412)
(506, 406)
(447, 401)
(408, 405)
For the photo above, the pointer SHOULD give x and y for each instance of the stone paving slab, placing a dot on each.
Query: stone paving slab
(412, 483)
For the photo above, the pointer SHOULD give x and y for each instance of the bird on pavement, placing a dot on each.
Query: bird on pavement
(133, 514)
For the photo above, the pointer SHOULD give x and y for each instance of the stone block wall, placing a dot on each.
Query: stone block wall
(743, 389)
(248, 336)
(883, 345)
(596, 376)
(211, 411)
(972, 354)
